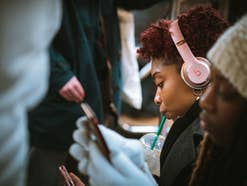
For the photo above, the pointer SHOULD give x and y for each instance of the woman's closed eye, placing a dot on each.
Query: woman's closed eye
(160, 85)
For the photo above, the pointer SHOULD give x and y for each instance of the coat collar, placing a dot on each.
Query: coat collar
(177, 128)
(179, 149)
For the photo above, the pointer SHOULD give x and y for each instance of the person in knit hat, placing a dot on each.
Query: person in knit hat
(223, 152)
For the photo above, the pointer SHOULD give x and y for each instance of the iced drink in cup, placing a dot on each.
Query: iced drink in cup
(152, 157)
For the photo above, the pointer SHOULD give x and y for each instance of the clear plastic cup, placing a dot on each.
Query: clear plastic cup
(152, 157)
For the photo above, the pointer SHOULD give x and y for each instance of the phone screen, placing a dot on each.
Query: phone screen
(94, 131)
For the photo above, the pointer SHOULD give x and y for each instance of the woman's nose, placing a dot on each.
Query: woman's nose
(207, 100)
(157, 98)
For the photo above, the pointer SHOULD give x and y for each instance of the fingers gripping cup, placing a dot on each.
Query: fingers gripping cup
(152, 156)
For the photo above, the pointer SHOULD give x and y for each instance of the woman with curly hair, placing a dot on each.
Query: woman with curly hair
(222, 158)
(169, 45)
(178, 98)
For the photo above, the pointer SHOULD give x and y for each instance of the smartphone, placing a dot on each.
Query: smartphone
(64, 173)
(94, 131)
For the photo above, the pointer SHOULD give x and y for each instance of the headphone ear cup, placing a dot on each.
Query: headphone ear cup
(196, 75)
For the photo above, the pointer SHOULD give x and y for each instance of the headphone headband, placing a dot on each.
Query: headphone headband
(181, 44)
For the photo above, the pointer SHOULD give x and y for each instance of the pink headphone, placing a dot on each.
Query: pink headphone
(196, 70)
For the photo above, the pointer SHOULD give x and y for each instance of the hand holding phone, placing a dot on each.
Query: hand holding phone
(67, 179)
(94, 131)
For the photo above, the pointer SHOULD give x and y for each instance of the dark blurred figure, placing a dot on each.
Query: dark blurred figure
(85, 66)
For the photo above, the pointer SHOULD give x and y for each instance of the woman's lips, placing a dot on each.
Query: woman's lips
(163, 112)
(170, 116)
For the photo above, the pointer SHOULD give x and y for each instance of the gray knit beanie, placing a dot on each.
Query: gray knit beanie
(229, 55)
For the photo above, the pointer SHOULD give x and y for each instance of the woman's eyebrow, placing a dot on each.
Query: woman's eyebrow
(154, 75)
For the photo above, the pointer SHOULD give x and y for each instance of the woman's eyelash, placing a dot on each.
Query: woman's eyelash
(160, 84)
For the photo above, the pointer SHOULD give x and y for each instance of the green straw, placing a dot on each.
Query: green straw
(159, 131)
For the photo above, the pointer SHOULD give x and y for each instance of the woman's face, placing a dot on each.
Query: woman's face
(172, 95)
(222, 108)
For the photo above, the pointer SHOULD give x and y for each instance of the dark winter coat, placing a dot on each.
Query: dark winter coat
(180, 149)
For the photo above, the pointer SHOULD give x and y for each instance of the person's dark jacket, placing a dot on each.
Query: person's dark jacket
(71, 54)
(180, 149)
(78, 50)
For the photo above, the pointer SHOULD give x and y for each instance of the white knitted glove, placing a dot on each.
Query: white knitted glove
(127, 161)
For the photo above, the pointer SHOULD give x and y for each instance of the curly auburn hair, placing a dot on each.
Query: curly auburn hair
(201, 26)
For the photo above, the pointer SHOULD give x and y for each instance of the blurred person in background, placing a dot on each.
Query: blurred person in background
(26, 30)
(73, 79)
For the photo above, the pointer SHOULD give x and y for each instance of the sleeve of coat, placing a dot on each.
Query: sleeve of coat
(61, 71)
(136, 4)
